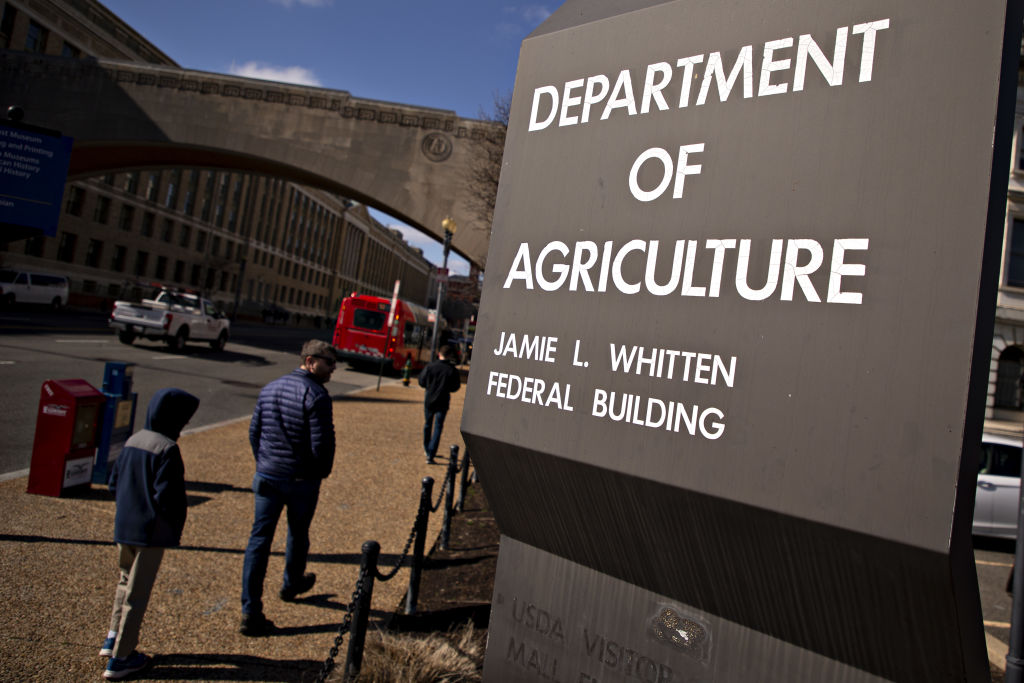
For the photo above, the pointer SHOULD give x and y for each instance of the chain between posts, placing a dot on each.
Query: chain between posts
(346, 624)
(405, 551)
(422, 512)
(440, 497)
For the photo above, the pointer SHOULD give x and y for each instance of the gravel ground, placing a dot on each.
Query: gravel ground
(58, 566)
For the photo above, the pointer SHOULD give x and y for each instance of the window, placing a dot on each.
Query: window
(215, 248)
(1009, 373)
(190, 194)
(172, 189)
(223, 281)
(167, 234)
(1020, 149)
(179, 271)
(126, 218)
(153, 186)
(76, 197)
(93, 253)
(194, 277)
(66, 247)
(210, 275)
(34, 246)
(117, 262)
(1000, 460)
(369, 320)
(141, 261)
(204, 212)
(102, 210)
(35, 41)
(200, 241)
(161, 267)
(7, 25)
(147, 224)
(70, 50)
(1015, 264)
(131, 182)
(185, 236)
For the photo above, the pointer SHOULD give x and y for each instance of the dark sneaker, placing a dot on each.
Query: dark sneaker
(430, 458)
(108, 647)
(118, 667)
(255, 624)
(304, 584)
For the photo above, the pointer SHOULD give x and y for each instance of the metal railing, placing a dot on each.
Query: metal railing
(356, 619)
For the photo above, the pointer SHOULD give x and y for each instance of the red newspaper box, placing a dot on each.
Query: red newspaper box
(65, 441)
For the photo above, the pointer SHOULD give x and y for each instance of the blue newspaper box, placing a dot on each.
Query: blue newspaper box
(118, 420)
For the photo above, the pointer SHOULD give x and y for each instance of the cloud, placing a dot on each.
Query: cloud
(535, 14)
(308, 3)
(284, 74)
(531, 14)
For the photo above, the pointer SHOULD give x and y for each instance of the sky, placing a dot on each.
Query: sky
(456, 55)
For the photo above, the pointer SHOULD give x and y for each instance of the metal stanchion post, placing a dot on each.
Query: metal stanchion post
(449, 495)
(422, 517)
(361, 611)
(463, 480)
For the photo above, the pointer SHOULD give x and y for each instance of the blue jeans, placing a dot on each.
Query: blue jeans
(270, 498)
(433, 423)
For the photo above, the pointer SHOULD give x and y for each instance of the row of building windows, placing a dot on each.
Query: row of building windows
(143, 265)
(180, 234)
(37, 38)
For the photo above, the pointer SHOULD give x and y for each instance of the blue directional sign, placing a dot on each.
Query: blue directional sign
(33, 170)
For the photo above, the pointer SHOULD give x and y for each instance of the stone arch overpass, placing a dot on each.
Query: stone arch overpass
(405, 160)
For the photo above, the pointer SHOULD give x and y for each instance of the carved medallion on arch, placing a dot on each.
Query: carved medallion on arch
(436, 147)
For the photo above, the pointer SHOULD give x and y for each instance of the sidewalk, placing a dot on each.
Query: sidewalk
(58, 567)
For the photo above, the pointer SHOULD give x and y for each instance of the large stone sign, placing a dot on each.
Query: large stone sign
(730, 367)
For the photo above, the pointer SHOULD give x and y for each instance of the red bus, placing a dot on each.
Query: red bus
(360, 337)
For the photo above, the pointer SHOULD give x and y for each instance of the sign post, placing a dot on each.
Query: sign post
(388, 331)
(733, 343)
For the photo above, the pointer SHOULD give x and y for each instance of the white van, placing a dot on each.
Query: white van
(24, 287)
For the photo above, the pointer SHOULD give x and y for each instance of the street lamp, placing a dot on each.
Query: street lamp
(448, 224)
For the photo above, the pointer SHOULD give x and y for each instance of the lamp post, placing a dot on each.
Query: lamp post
(449, 229)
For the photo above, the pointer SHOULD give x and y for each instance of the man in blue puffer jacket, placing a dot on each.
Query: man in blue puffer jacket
(148, 483)
(292, 438)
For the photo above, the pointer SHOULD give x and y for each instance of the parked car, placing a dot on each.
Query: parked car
(24, 287)
(997, 498)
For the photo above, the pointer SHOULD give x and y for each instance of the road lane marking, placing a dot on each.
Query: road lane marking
(82, 341)
(998, 624)
(6, 362)
(169, 357)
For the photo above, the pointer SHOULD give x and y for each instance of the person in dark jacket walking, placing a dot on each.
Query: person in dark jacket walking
(292, 439)
(148, 483)
(440, 378)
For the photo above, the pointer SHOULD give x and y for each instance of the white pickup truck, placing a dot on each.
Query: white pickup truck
(174, 317)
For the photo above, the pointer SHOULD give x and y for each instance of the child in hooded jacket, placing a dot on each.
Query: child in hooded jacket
(148, 483)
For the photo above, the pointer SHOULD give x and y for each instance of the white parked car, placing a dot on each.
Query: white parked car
(997, 498)
(24, 287)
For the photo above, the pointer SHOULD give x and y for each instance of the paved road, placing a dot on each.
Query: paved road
(38, 345)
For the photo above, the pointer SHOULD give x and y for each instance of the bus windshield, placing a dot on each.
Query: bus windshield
(367, 319)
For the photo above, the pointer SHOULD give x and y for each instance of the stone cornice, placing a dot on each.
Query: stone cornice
(222, 85)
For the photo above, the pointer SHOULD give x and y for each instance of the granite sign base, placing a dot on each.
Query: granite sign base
(555, 620)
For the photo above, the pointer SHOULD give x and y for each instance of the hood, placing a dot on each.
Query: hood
(169, 411)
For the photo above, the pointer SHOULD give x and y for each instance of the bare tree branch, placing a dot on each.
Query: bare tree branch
(485, 168)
